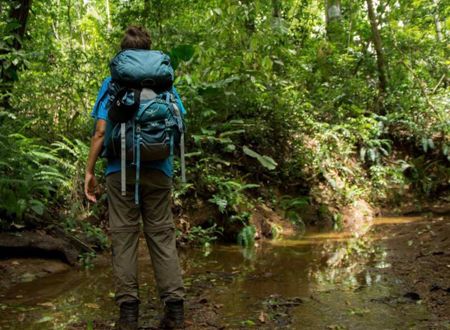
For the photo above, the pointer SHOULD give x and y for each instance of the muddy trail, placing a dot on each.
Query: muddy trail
(395, 277)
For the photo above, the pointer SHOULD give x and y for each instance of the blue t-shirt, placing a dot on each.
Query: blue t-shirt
(100, 111)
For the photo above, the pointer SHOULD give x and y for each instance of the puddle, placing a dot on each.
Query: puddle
(319, 281)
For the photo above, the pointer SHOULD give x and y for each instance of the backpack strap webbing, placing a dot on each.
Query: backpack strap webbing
(182, 159)
(123, 160)
(138, 163)
(179, 120)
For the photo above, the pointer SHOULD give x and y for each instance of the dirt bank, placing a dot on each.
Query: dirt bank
(418, 251)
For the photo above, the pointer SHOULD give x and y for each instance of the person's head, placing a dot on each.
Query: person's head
(136, 37)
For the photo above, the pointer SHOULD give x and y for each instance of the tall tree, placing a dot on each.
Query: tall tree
(332, 10)
(18, 15)
(276, 8)
(376, 37)
(20, 10)
(333, 20)
(108, 15)
(250, 16)
(437, 20)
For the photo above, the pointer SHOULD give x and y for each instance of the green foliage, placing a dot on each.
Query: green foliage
(424, 174)
(374, 150)
(265, 161)
(203, 236)
(246, 236)
(337, 222)
(229, 195)
(96, 234)
(27, 178)
(272, 100)
(87, 260)
(292, 207)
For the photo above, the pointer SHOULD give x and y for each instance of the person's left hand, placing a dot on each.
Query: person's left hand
(90, 187)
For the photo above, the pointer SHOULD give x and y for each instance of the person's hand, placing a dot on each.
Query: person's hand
(90, 187)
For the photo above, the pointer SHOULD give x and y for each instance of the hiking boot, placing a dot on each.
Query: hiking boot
(173, 315)
(129, 313)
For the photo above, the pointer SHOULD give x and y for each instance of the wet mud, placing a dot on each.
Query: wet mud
(394, 277)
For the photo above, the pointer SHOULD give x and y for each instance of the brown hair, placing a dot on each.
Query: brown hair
(136, 37)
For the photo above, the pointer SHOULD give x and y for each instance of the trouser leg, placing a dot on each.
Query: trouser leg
(124, 227)
(125, 267)
(165, 263)
(159, 231)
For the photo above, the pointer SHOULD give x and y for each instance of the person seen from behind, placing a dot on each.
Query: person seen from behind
(143, 191)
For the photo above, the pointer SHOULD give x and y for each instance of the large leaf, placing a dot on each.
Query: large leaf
(181, 53)
(265, 161)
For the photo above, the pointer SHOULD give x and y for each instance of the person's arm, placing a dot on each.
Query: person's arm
(100, 114)
(90, 183)
(179, 102)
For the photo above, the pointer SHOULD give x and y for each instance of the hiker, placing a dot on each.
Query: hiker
(138, 186)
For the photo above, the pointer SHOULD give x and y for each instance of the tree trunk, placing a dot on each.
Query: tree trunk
(276, 8)
(335, 32)
(437, 21)
(108, 15)
(376, 37)
(69, 23)
(250, 18)
(332, 10)
(146, 15)
(19, 12)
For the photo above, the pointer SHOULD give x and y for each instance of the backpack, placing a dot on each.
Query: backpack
(144, 121)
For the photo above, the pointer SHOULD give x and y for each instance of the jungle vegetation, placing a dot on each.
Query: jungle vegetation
(290, 103)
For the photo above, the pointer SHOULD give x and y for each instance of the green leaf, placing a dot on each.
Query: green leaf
(220, 202)
(265, 161)
(37, 206)
(267, 63)
(45, 319)
(425, 144)
(239, 131)
(218, 11)
(230, 148)
(181, 53)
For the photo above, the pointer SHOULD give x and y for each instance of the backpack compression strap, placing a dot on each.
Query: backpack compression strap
(123, 156)
(145, 95)
(182, 151)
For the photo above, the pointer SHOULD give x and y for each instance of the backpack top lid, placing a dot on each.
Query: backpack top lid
(142, 68)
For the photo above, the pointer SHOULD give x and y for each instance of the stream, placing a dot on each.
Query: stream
(322, 280)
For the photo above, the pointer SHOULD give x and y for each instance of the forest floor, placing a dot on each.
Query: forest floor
(419, 252)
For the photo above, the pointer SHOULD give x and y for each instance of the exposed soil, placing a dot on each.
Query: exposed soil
(20, 270)
(28, 255)
(419, 252)
(38, 244)
(266, 221)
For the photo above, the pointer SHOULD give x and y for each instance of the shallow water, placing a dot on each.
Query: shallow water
(319, 281)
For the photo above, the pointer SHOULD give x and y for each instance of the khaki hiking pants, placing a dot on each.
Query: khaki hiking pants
(159, 230)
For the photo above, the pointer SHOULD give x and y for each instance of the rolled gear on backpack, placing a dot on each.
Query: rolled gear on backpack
(141, 68)
(142, 129)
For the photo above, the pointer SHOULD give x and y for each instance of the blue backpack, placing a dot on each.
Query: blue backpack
(145, 123)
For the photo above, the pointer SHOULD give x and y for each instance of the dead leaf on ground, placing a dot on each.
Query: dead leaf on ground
(262, 317)
(46, 304)
(92, 305)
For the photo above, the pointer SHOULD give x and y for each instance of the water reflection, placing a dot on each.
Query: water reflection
(316, 281)
(346, 264)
